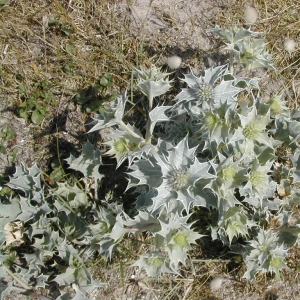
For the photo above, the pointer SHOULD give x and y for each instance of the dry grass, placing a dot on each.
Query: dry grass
(87, 39)
(83, 42)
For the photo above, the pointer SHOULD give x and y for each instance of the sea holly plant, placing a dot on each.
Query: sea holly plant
(215, 148)
(265, 254)
(218, 151)
(48, 226)
(245, 48)
(152, 82)
(180, 178)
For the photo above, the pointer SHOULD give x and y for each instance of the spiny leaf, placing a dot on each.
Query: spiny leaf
(296, 163)
(88, 162)
(73, 195)
(28, 180)
(158, 115)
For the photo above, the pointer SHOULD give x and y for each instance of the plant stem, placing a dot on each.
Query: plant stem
(128, 129)
(96, 189)
(211, 260)
(19, 280)
(231, 63)
(148, 126)
(150, 103)
(148, 133)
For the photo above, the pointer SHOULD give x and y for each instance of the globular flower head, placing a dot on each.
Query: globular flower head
(211, 120)
(104, 223)
(179, 244)
(264, 254)
(177, 237)
(181, 171)
(244, 46)
(204, 92)
(230, 174)
(107, 229)
(290, 45)
(250, 15)
(277, 105)
(124, 145)
(174, 62)
(175, 174)
(253, 54)
(260, 183)
(154, 263)
(200, 89)
(218, 122)
(252, 131)
(236, 223)
(177, 179)
(277, 261)
(258, 178)
(149, 74)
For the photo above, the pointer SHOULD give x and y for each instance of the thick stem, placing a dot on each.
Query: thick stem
(18, 279)
(148, 133)
(150, 103)
(148, 126)
(128, 129)
(96, 189)
(231, 63)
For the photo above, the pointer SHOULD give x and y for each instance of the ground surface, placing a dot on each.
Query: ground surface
(162, 29)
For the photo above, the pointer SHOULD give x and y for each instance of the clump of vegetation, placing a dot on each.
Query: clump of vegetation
(35, 101)
(215, 147)
(7, 134)
(217, 164)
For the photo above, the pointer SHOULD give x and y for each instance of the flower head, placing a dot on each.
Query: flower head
(200, 88)
(277, 105)
(181, 172)
(176, 175)
(177, 237)
(236, 223)
(260, 183)
(253, 131)
(253, 53)
(174, 62)
(250, 15)
(290, 45)
(265, 255)
(180, 243)
(216, 284)
(123, 145)
(154, 263)
(230, 174)
(206, 89)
